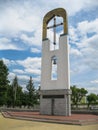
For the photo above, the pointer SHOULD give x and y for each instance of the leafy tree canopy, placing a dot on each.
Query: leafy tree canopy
(3, 74)
(31, 92)
(3, 82)
(92, 98)
(77, 94)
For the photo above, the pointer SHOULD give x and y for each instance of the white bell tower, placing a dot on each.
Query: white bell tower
(55, 78)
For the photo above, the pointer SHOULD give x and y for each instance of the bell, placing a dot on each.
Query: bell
(54, 61)
(54, 43)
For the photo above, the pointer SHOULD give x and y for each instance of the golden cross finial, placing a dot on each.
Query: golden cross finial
(54, 30)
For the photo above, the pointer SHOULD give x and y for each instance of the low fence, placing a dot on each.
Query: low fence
(84, 106)
(82, 109)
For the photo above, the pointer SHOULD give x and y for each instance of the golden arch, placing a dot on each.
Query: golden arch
(56, 12)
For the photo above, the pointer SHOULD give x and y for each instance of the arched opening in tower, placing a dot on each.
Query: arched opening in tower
(54, 68)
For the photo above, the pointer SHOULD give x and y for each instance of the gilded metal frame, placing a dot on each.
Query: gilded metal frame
(56, 12)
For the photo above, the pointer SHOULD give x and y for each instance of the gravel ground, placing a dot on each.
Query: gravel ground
(12, 124)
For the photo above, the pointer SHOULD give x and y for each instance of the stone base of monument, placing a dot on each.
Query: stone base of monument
(74, 119)
(55, 102)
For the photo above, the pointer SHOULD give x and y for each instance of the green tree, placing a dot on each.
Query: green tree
(77, 94)
(3, 82)
(31, 93)
(24, 98)
(37, 95)
(92, 99)
(9, 96)
(17, 93)
(14, 87)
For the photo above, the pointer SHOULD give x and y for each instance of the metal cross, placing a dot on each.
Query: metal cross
(54, 30)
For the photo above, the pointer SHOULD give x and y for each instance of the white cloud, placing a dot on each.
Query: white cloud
(85, 45)
(94, 81)
(19, 18)
(18, 71)
(9, 62)
(84, 55)
(30, 62)
(4, 40)
(28, 17)
(75, 52)
(15, 19)
(35, 50)
(93, 42)
(91, 52)
(86, 27)
(34, 40)
(84, 34)
(72, 6)
(93, 90)
(6, 43)
(33, 71)
(73, 35)
(29, 67)
(23, 77)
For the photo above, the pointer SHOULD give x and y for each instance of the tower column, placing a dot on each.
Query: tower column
(55, 94)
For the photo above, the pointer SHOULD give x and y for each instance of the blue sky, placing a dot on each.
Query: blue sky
(21, 39)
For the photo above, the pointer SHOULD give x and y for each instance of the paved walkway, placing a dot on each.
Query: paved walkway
(10, 124)
(75, 119)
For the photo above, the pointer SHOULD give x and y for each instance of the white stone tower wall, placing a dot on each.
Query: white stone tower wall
(63, 81)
